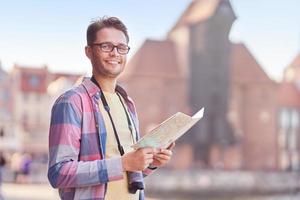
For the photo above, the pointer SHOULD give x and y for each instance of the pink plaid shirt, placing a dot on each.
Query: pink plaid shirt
(77, 163)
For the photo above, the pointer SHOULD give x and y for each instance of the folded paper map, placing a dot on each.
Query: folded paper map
(169, 130)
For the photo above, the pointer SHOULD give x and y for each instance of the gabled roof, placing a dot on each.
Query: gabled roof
(292, 71)
(154, 59)
(244, 67)
(158, 59)
(296, 62)
(197, 11)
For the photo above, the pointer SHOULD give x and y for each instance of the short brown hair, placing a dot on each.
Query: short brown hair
(104, 22)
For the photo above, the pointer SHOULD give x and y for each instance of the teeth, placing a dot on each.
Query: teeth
(113, 62)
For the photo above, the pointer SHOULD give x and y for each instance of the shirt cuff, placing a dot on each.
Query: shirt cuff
(152, 167)
(114, 168)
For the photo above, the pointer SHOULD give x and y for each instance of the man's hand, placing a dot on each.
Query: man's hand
(138, 160)
(163, 156)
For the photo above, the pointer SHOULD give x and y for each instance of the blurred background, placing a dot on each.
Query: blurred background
(238, 59)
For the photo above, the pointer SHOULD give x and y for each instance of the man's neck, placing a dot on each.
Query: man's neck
(107, 84)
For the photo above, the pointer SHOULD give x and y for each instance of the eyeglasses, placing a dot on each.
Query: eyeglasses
(109, 47)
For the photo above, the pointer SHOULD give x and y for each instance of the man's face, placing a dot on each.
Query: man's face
(108, 64)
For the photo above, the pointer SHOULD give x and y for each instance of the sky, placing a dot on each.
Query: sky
(36, 33)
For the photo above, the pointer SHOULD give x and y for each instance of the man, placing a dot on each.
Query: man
(94, 125)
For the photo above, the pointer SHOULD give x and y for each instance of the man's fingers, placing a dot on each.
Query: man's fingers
(162, 157)
(148, 156)
(148, 150)
(165, 151)
(161, 160)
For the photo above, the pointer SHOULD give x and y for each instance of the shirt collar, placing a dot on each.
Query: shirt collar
(93, 89)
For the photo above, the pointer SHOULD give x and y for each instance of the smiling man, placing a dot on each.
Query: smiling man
(94, 125)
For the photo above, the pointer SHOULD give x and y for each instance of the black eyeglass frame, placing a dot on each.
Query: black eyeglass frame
(113, 47)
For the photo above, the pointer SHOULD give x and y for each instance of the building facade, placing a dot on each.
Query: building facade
(289, 117)
(197, 66)
(7, 138)
(30, 93)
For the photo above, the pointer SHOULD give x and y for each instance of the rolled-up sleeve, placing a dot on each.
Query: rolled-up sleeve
(65, 169)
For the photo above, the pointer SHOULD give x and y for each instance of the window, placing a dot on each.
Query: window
(34, 80)
(284, 118)
(294, 119)
(288, 137)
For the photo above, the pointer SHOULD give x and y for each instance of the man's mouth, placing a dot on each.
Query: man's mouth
(113, 62)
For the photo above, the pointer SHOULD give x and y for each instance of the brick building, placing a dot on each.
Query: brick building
(32, 92)
(195, 66)
(289, 118)
(6, 108)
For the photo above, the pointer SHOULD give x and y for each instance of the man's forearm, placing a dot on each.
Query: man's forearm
(69, 174)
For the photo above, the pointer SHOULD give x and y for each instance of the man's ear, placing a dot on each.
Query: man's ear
(88, 51)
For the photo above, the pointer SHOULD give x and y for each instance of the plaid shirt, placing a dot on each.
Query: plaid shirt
(77, 138)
